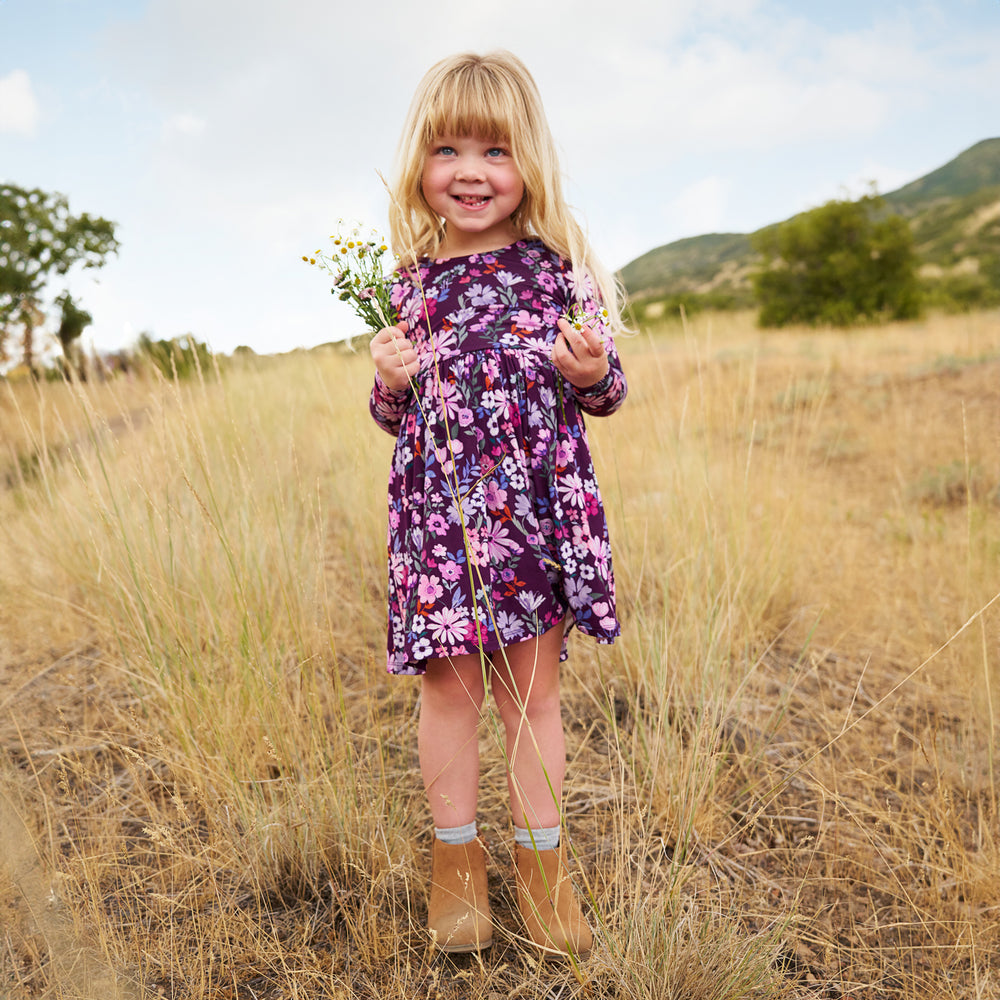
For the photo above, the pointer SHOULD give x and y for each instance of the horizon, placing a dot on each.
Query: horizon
(219, 138)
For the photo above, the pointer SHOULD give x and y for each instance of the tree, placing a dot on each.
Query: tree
(40, 238)
(841, 263)
(72, 322)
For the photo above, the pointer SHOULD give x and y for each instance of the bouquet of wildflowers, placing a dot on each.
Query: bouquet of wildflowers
(579, 317)
(355, 263)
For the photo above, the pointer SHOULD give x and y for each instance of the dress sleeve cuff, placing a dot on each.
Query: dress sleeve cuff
(602, 385)
(384, 390)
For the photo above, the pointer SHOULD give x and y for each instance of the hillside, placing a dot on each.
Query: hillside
(954, 212)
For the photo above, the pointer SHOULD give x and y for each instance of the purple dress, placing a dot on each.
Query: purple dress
(496, 527)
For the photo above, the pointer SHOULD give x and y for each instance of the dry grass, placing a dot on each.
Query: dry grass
(781, 779)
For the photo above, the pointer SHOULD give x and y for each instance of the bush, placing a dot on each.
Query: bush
(838, 264)
(180, 358)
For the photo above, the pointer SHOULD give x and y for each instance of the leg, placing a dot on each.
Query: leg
(458, 910)
(451, 699)
(525, 684)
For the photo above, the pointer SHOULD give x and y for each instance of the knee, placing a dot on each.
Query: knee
(533, 704)
(446, 688)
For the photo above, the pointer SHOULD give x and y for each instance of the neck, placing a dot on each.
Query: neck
(459, 244)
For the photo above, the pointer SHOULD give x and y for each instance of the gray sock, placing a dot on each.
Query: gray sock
(546, 837)
(456, 834)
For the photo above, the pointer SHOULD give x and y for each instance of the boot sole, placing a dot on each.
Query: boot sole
(464, 949)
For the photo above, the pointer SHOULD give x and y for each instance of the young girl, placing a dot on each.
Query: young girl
(498, 544)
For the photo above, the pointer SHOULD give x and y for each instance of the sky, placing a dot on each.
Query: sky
(226, 139)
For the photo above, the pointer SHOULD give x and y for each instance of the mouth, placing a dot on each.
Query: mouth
(471, 200)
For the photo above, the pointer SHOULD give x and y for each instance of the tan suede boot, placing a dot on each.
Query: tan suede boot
(548, 904)
(458, 914)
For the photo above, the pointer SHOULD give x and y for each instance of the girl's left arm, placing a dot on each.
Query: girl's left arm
(587, 358)
(606, 395)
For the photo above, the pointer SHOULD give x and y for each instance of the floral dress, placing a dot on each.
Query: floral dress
(496, 528)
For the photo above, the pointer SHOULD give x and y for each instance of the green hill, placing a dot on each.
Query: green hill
(954, 212)
(977, 168)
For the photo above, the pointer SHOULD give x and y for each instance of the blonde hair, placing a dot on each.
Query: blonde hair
(492, 97)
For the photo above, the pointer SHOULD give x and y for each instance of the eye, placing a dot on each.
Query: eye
(494, 152)
(444, 151)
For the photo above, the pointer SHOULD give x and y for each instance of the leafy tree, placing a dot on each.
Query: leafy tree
(841, 263)
(40, 238)
(73, 321)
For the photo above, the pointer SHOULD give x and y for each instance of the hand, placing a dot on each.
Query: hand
(394, 356)
(580, 355)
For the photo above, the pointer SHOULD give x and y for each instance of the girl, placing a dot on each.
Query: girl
(497, 539)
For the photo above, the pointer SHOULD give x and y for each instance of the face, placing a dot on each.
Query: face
(475, 187)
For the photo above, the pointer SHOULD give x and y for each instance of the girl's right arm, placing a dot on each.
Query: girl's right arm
(396, 363)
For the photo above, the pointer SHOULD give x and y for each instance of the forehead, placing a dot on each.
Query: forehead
(469, 111)
(480, 130)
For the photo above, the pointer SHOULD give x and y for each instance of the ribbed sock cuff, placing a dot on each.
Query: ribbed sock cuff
(546, 838)
(456, 834)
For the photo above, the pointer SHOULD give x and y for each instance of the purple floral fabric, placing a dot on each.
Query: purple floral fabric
(496, 528)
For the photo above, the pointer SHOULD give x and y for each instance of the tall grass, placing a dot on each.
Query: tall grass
(234, 802)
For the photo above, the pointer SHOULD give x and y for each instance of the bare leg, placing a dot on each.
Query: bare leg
(525, 684)
(451, 700)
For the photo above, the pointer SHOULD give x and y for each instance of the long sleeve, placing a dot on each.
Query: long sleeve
(388, 406)
(606, 396)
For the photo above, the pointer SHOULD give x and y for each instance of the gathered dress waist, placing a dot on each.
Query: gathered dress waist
(536, 350)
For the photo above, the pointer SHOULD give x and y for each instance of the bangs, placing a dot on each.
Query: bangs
(474, 104)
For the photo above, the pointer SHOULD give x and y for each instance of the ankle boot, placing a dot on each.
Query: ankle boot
(458, 914)
(548, 904)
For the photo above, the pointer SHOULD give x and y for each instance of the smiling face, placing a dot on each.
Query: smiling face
(475, 186)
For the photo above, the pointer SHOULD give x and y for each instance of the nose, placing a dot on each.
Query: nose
(469, 168)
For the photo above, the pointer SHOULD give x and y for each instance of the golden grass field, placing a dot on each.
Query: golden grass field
(781, 779)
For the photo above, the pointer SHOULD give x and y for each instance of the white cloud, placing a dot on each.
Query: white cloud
(700, 207)
(18, 106)
(185, 125)
(261, 123)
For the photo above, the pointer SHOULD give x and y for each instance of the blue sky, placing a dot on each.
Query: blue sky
(226, 138)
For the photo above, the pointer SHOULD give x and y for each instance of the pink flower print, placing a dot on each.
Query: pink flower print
(444, 456)
(565, 450)
(429, 589)
(451, 571)
(599, 549)
(437, 524)
(525, 320)
(448, 396)
(448, 624)
(465, 416)
(602, 611)
(499, 544)
(397, 293)
(546, 281)
(495, 497)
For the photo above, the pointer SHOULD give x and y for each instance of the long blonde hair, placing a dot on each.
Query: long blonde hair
(492, 97)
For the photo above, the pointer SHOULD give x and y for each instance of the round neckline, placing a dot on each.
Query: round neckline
(481, 253)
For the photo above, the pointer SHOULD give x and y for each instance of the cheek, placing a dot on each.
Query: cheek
(430, 179)
(516, 186)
